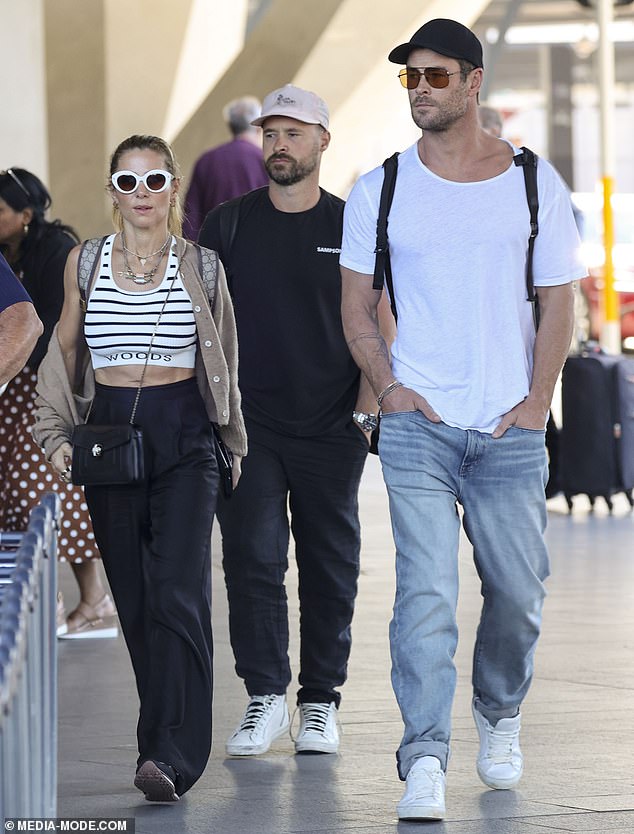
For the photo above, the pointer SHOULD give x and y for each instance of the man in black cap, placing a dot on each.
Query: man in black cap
(464, 395)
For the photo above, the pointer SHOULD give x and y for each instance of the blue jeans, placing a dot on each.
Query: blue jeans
(430, 468)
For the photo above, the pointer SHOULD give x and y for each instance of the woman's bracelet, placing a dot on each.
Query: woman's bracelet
(388, 390)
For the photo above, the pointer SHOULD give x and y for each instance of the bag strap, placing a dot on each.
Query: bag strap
(382, 263)
(207, 270)
(89, 257)
(228, 221)
(528, 160)
(149, 350)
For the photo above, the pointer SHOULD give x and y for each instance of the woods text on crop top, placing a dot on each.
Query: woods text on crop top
(119, 323)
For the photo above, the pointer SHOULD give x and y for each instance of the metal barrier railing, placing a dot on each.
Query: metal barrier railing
(28, 665)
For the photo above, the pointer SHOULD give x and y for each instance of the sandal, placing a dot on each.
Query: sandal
(97, 620)
(61, 624)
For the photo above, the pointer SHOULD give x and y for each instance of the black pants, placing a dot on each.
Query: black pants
(155, 541)
(318, 477)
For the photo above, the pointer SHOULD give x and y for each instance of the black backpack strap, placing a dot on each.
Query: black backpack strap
(228, 220)
(89, 256)
(528, 160)
(382, 264)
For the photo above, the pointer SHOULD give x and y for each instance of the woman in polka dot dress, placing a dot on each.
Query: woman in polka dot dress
(36, 250)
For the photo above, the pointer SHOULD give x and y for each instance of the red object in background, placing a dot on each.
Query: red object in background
(590, 313)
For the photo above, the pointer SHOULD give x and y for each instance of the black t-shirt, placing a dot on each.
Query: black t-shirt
(296, 373)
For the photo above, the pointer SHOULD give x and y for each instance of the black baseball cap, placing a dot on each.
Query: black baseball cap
(447, 37)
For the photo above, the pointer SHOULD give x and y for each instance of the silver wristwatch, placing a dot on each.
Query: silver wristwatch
(368, 422)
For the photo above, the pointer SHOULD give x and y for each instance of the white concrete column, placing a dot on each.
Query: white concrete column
(23, 135)
(75, 96)
(275, 50)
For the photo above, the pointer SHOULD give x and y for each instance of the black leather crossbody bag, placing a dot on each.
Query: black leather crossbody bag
(107, 455)
(112, 455)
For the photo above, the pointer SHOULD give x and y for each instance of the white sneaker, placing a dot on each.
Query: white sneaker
(318, 731)
(500, 761)
(266, 718)
(424, 797)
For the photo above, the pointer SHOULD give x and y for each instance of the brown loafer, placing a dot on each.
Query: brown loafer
(155, 783)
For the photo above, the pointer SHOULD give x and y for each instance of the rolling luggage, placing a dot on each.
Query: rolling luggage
(597, 434)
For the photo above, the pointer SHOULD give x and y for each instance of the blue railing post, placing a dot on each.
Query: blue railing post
(28, 666)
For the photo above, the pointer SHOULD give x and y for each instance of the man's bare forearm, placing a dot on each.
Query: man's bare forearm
(373, 357)
(551, 347)
(20, 328)
(552, 342)
(363, 334)
(370, 329)
(369, 351)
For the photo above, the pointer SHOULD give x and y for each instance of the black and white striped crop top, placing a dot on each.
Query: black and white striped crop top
(119, 323)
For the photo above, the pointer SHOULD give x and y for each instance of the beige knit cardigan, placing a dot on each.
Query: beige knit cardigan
(60, 405)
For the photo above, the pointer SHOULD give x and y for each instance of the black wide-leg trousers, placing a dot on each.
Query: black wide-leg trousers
(155, 541)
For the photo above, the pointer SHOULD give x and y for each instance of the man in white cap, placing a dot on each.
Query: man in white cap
(300, 387)
(464, 395)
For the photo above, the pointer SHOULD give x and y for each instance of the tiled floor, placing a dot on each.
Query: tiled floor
(578, 735)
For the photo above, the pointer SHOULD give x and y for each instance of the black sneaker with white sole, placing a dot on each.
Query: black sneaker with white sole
(157, 781)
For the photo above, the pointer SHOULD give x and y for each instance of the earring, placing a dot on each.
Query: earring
(26, 229)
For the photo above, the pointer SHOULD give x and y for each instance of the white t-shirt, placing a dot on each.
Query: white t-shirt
(458, 252)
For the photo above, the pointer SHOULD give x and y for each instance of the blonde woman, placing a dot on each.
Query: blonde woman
(154, 537)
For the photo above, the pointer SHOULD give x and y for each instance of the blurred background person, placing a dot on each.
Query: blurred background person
(36, 250)
(490, 120)
(228, 170)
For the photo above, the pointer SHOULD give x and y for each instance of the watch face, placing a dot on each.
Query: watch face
(368, 422)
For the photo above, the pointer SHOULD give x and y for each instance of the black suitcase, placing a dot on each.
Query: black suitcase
(596, 445)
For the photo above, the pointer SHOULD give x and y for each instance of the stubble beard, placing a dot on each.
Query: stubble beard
(293, 173)
(438, 118)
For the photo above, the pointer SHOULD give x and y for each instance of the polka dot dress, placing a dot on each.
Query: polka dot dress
(25, 476)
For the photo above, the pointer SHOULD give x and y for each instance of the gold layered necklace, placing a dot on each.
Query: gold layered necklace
(142, 277)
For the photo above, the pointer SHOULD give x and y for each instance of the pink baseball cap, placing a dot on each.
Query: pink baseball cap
(294, 103)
